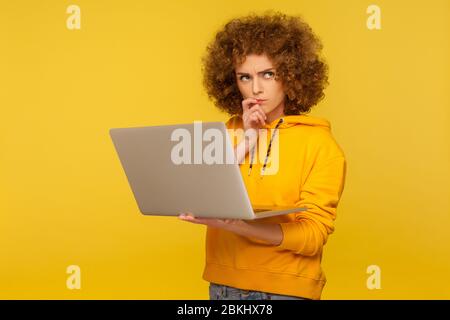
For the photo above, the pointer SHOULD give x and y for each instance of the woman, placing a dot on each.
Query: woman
(265, 71)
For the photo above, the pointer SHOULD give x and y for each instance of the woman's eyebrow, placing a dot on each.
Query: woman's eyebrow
(243, 73)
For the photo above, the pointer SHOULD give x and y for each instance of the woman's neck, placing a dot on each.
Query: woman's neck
(276, 113)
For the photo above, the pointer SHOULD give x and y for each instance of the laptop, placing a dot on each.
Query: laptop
(171, 169)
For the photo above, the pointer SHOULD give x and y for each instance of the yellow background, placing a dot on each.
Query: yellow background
(65, 199)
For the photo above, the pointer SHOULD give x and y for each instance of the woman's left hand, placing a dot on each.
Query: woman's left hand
(262, 233)
(227, 224)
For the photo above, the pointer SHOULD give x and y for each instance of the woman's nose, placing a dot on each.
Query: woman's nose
(256, 87)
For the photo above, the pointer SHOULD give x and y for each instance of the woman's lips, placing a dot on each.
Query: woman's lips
(260, 100)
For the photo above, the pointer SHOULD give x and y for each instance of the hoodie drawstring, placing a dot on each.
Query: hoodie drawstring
(267, 153)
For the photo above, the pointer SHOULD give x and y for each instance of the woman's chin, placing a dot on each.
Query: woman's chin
(266, 109)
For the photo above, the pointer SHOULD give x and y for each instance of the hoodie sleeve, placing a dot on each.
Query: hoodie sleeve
(232, 128)
(320, 193)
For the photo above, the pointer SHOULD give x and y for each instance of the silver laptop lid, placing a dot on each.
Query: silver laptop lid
(177, 168)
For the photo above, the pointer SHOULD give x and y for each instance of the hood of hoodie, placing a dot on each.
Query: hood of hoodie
(294, 120)
(290, 121)
(286, 122)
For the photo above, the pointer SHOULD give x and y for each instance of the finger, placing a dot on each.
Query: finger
(201, 221)
(259, 110)
(185, 215)
(260, 119)
(262, 116)
(249, 114)
(248, 103)
(253, 104)
(191, 219)
(263, 121)
(244, 106)
(254, 119)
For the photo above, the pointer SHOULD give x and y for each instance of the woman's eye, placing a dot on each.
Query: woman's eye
(267, 75)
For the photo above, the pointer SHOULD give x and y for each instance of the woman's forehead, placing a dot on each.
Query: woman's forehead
(255, 63)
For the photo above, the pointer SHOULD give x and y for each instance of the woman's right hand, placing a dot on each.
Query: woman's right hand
(253, 115)
(253, 118)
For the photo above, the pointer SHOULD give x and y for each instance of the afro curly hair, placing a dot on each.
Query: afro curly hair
(287, 41)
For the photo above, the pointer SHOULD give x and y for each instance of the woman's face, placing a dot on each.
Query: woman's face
(255, 79)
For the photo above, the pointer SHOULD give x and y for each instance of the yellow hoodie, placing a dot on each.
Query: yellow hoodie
(311, 173)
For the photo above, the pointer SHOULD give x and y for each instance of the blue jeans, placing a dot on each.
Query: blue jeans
(222, 292)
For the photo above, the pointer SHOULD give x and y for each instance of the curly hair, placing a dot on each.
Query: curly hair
(287, 41)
